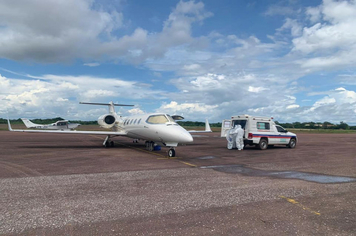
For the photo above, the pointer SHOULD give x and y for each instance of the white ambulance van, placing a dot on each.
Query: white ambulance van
(260, 131)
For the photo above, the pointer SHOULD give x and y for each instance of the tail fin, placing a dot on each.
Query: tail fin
(28, 123)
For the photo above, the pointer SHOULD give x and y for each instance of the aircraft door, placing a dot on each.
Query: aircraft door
(225, 126)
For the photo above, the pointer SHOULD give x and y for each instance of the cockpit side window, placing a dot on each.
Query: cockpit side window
(157, 119)
(171, 119)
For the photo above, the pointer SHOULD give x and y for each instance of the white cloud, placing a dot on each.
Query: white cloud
(93, 64)
(195, 111)
(293, 106)
(339, 105)
(51, 31)
(331, 41)
(292, 25)
(53, 95)
(256, 89)
(279, 10)
(59, 31)
(135, 111)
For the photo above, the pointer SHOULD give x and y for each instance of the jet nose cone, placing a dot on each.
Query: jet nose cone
(186, 137)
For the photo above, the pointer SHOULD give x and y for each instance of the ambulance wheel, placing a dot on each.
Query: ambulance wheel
(263, 144)
(172, 152)
(292, 143)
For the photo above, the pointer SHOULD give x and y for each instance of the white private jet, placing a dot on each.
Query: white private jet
(154, 128)
(59, 125)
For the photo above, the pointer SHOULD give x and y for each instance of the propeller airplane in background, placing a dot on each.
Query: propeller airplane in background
(59, 125)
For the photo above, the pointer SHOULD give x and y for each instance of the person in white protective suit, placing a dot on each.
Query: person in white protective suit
(239, 137)
(231, 138)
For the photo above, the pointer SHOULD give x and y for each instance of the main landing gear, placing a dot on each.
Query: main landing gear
(108, 143)
(150, 146)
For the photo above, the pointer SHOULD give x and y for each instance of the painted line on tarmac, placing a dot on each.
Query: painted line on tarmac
(161, 157)
(300, 205)
(187, 163)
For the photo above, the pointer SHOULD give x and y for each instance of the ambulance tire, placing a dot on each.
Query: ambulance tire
(292, 143)
(263, 144)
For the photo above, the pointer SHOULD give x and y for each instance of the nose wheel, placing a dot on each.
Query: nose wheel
(172, 152)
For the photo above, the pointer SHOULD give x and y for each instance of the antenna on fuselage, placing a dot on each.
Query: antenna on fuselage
(110, 104)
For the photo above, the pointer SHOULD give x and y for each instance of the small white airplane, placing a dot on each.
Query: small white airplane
(154, 128)
(59, 125)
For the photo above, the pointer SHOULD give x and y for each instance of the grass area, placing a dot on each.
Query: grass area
(322, 131)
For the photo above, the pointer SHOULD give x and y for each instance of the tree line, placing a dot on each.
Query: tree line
(294, 125)
(317, 125)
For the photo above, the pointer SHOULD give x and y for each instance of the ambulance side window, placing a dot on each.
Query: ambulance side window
(263, 125)
(280, 129)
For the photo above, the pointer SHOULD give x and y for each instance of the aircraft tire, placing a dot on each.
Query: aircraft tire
(107, 144)
(171, 152)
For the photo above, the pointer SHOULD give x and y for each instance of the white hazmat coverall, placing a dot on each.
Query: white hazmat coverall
(239, 137)
(231, 137)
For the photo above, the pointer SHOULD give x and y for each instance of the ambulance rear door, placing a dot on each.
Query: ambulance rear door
(225, 126)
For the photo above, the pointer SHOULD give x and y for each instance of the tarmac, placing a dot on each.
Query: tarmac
(58, 184)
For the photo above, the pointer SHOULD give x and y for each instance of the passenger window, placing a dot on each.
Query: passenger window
(135, 121)
(263, 125)
(139, 121)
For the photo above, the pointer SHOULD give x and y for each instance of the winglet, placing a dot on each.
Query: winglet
(8, 123)
(207, 126)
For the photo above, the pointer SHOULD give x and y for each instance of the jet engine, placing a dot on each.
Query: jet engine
(106, 121)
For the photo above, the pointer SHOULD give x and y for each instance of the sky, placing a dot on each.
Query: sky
(293, 60)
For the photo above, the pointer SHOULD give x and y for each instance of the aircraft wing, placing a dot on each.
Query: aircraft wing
(122, 133)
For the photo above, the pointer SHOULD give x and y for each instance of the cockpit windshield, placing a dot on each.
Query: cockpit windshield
(157, 119)
(160, 119)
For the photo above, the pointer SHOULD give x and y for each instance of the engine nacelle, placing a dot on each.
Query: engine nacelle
(106, 121)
